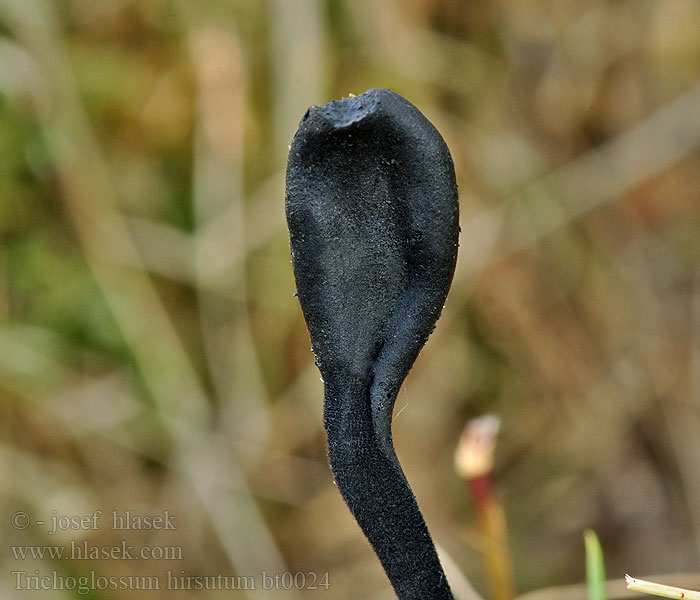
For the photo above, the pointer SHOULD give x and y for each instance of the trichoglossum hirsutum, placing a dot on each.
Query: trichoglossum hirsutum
(371, 204)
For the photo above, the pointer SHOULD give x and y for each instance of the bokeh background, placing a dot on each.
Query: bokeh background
(153, 357)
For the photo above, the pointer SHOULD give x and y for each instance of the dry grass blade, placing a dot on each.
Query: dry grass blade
(658, 589)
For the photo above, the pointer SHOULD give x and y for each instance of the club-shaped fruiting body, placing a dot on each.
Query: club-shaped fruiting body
(371, 203)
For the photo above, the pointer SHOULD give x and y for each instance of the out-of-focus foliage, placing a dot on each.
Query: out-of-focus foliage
(152, 356)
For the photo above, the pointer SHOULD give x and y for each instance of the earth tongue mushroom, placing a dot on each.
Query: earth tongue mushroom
(371, 204)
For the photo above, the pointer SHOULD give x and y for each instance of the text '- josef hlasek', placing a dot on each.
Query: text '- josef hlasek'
(118, 520)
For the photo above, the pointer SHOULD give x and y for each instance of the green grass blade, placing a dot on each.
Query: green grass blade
(595, 566)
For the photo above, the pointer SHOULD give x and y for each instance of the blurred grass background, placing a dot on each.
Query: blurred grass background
(152, 356)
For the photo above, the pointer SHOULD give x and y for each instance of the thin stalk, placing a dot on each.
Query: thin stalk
(474, 459)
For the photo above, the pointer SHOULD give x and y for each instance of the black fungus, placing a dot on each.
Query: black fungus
(372, 210)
